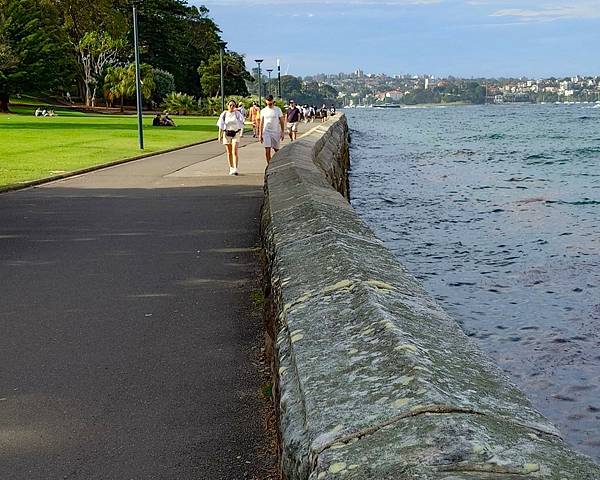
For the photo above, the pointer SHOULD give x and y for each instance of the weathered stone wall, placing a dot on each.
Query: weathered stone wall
(375, 380)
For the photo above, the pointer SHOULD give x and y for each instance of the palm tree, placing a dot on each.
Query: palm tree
(115, 84)
(147, 80)
(120, 82)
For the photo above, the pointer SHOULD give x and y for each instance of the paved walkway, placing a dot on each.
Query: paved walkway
(130, 344)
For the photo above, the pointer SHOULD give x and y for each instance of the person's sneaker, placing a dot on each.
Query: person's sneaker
(231, 171)
(235, 172)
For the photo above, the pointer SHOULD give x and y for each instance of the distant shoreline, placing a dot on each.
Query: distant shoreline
(466, 104)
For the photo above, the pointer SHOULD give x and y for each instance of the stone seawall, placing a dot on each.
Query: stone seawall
(375, 380)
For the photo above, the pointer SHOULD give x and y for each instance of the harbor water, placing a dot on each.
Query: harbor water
(496, 209)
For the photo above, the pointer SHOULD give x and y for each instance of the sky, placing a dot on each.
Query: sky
(464, 38)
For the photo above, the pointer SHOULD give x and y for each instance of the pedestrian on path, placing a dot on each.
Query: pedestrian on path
(254, 115)
(231, 128)
(293, 117)
(272, 124)
(242, 110)
(323, 114)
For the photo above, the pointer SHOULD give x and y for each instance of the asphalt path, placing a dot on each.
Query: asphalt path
(129, 340)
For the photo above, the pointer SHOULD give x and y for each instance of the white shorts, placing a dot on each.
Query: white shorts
(292, 126)
(271, 140)
(230, 140)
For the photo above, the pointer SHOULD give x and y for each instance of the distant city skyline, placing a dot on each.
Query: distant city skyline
(462, 38)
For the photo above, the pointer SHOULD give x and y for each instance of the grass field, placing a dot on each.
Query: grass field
(38, 147)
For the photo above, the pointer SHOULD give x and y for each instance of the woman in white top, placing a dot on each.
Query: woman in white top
(231, 128)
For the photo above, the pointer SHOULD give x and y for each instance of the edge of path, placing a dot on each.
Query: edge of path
(112, 163)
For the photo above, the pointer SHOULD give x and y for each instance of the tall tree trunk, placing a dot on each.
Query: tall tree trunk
(4, 99)
(122, 108)
(88, 95)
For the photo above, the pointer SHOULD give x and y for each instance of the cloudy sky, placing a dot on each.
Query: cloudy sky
(469, 38)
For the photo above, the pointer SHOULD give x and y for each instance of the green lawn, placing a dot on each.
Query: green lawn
(37, 147)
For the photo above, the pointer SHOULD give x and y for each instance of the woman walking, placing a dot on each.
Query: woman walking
(231, 127)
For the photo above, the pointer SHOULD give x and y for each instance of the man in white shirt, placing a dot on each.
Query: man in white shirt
(272, 125)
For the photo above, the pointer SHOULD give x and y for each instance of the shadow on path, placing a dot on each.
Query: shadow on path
(130, 345)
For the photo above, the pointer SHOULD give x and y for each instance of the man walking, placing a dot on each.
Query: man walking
(272, 123)
(293, 117)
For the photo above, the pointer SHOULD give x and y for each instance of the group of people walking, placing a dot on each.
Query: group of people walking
(268, 124)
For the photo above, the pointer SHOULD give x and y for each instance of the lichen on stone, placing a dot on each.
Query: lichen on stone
(381, 285)
(401, 402)
(341, 285)
(406, 347)
(337, 467)
(296, 337)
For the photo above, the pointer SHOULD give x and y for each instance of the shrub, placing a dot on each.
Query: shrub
(180, 103)
(164, 84)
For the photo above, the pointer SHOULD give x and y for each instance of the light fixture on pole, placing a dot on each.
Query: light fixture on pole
(222, 46)
(269, 70)
(258, 62)
(278, 79)
(138, 81)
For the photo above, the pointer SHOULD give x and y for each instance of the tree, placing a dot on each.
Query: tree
(235, 75)
(146, 80)
(32, 44)
(165, 84)
(177, 38)
(327, 93)
(79, 18)
(291, 87)
(96, 51)
(115, 86)
(120, 82)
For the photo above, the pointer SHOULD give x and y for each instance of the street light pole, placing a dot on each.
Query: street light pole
(258, 62)
(221, 48)
(269, 70)
(138, 81)
(278, 79)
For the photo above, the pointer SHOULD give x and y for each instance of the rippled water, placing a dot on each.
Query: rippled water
(497, 210)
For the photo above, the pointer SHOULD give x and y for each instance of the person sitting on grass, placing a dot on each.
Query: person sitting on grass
(38, 112)
(157, 121)
(168, 121)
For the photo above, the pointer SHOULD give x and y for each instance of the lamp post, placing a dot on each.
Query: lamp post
(278, 79)
(222, 46)
(258, 62)
(138, 81)
(269, 70)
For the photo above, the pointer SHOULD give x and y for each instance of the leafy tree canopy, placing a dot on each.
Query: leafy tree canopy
(177, 38)
(47, 43)
(81, 16)
(165, 84)
(32, 45)
(234, 73)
